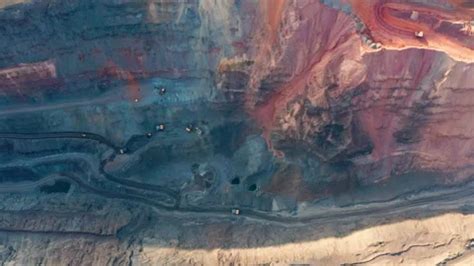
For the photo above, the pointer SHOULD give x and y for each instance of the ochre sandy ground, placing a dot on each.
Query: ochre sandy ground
(421, 242)
(5, 3)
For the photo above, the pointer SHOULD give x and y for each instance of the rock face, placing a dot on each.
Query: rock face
(133, 131)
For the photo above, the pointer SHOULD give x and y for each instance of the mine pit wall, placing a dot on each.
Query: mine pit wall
(121, 43)
(368, 124)
(400, 101)
(392, 114)
(369, 112)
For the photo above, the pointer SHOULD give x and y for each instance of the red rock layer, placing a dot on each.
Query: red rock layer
(27, 76)
(409, 100)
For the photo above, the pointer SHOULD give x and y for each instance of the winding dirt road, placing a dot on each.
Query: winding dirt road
(454, 198)
(446, 30)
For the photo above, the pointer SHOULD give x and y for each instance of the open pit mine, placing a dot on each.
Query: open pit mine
(236, 132)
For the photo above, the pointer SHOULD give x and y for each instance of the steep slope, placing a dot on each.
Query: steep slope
(133, 131)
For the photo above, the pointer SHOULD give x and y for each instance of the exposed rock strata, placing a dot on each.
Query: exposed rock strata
(129, 130)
